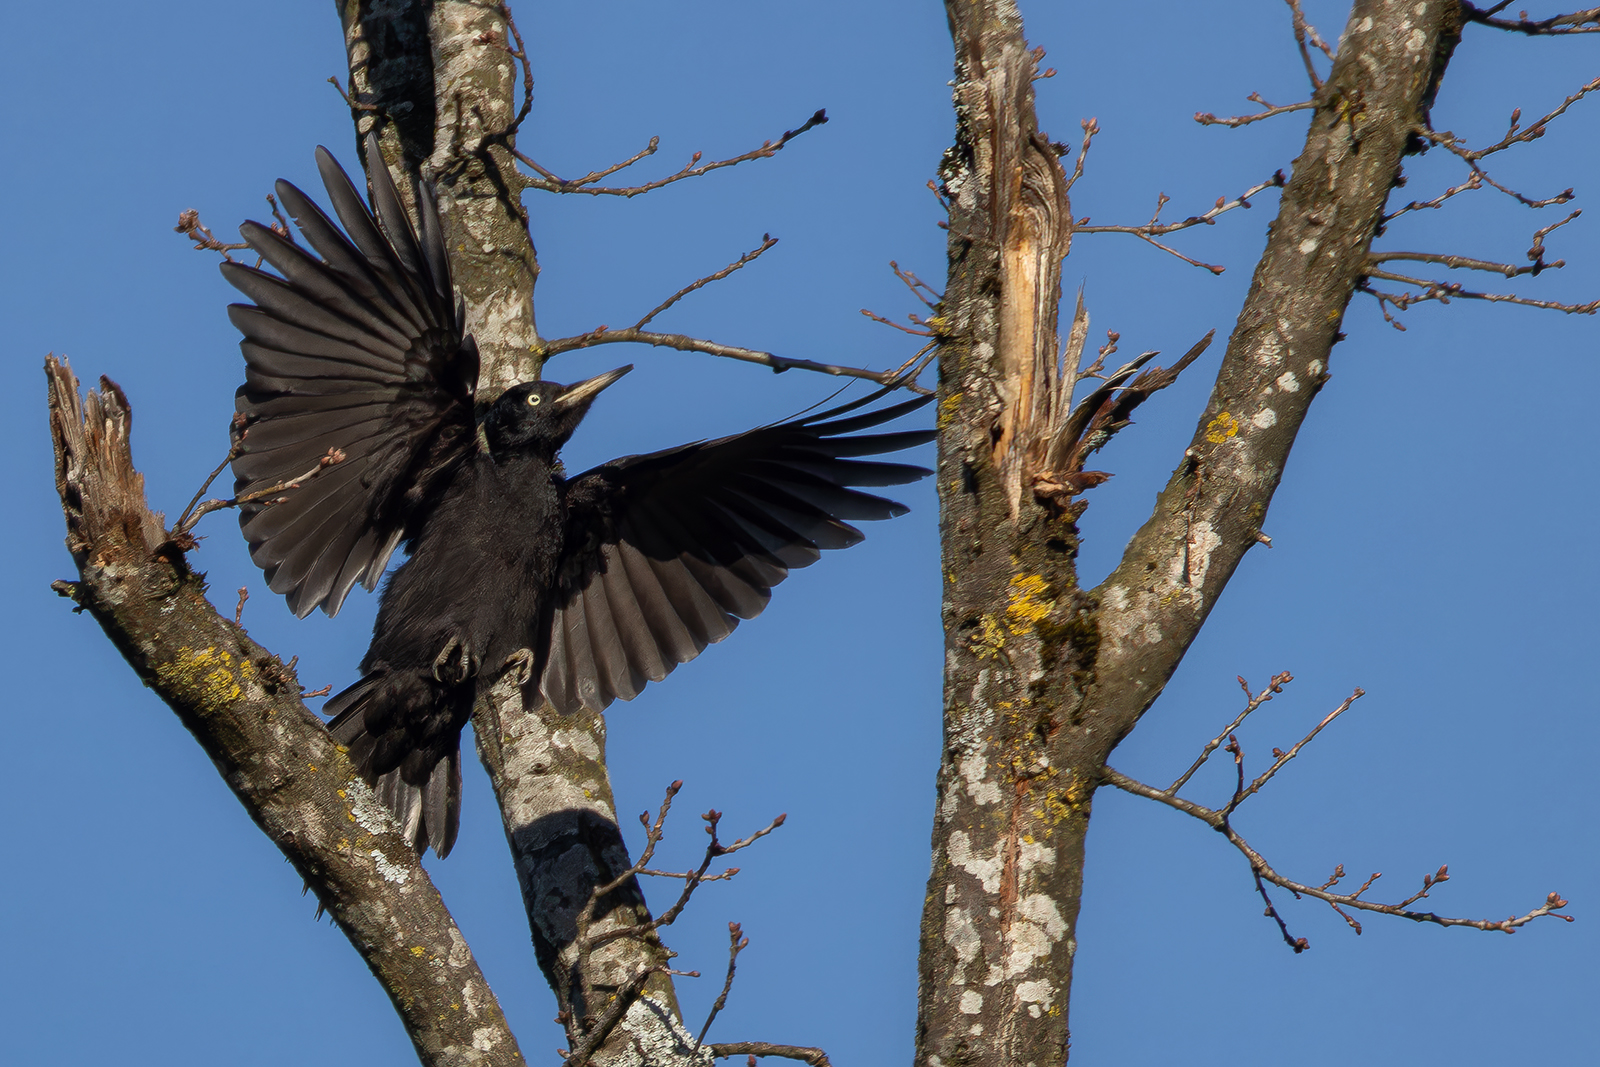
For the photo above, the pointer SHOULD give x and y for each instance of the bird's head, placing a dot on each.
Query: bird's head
(539, 417)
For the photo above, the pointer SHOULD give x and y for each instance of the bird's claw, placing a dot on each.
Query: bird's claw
(521, 663)
(466, 663)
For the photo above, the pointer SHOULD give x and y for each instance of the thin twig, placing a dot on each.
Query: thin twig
(1274, 687)
(1302, 32)
(917, 286)
(1474, 181)
(736, 944)
(549, 182)
(1465, 262)
(1444, 292)
(603, 335)
(1155, 228)
(1553, 903)
(875, 317)
(767, 241)
(1576, 22)
(1206, 118)
(1255, 787)
(187, 521)
(204, 240)
(814, 1056)
(1090, 128)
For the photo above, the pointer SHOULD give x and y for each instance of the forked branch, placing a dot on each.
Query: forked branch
(1263, 873)
(549, 182)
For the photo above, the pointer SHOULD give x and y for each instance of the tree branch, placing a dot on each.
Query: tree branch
(549, 182)
(603, 335)
(1211, 510)
(243, 706)
(1219, 819)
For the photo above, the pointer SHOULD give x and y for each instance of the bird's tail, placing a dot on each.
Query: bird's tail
(403, 730)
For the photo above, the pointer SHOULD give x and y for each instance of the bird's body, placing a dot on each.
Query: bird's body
(585, 588)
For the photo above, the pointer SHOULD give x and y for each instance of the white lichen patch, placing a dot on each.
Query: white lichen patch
(1265, 419)
(979, 788)
(483, 1039)
(1308, 246)
(388, 870)
(371, 816)
(962, 936)
(1035, 932)
(985, 869)
(1037, 991)
(971, 1002)
(1288, 382)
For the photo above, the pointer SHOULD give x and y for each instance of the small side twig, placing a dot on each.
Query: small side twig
(737, 943)
(190, 226)
(603, 335)
(1304, 34)
(550, 182)
(1262, 872)
(814, 1056)
(1576, 22)
(193, 515)
(767, 241)
(1155, 228)
(1206, 118)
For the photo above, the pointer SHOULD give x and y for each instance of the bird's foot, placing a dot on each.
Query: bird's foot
(455, 662)
(520, 663)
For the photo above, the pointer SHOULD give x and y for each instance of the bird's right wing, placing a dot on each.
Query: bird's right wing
(665, 553)
(358, 357)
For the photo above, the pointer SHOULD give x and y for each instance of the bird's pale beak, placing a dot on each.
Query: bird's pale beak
(589, 388)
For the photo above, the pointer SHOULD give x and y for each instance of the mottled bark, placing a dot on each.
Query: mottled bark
(549, 773)
(243, 706)
(1042, 678)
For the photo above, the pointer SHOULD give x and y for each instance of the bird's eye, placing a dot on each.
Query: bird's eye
(534, 399)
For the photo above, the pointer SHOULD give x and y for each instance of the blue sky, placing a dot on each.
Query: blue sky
(1433, 544)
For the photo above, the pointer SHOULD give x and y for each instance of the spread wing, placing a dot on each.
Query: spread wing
(665, 553)
(361, 351)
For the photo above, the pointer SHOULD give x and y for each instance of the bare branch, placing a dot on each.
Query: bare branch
(1090, 128)
(1576, 22)
(1464, 262)
(1304, 32)
(603, 335)
(1444, 292)
(1155, 228)
(736, 944)
(1284, 757)
(549, 182)
(1474, 181)
(814, 1056)
(204, 240)
(1217, 820)
(242, 704)
(767, 241)
(1206, 118)
(1274, 687)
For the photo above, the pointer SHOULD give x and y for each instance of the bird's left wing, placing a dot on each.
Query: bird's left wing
(359, 358)
(665, 553)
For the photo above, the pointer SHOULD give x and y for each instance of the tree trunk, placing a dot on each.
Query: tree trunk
(438, 82)
(1043, 678)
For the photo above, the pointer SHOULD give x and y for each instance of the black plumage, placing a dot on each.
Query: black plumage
(586, 587)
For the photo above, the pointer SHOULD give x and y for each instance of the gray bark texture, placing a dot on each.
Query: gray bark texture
(1042, 677)
(438, 82)
(243, 706)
